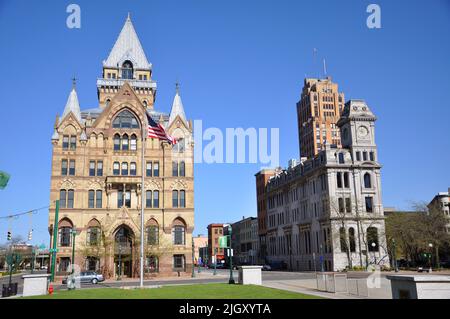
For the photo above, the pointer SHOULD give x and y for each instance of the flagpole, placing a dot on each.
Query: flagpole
(141, 279)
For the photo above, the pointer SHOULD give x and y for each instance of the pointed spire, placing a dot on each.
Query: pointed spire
(72, 105)
(177, 107)
(127, 47)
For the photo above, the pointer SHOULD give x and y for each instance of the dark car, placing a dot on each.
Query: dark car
(87, 277)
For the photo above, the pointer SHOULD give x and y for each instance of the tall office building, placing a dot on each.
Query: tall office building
(318, 111)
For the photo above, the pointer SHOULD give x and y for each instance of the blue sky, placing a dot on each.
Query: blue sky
(240, 64)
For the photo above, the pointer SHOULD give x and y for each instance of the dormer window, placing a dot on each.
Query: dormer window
(127, 70)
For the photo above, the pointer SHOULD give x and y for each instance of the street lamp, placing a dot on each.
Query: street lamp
(231, 280)
(373, 250)
(394, 255)
(74, 233)
(429, 255)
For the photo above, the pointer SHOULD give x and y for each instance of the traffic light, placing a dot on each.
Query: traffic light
(30, 235)
(9, 235)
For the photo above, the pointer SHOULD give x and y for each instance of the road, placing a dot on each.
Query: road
(294, 281)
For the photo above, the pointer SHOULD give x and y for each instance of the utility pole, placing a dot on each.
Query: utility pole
(55, 239)
(193, 253)
(74, 233)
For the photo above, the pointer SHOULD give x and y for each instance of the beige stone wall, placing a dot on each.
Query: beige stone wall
(99, 146)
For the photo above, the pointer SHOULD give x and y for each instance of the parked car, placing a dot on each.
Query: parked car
(266, 267)
(87, 277)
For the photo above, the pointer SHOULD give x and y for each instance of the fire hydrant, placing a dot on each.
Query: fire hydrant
(50, 289)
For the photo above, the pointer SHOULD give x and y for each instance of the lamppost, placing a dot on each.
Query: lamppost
(373, 250)
(231, 280)
(119, 276)
(430, 255)
(215, 261)
(394, 255)
(74, 233)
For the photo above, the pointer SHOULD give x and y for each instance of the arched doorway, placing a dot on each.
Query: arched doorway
(123, 252)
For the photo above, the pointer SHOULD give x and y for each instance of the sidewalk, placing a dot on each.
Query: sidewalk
(297, 286)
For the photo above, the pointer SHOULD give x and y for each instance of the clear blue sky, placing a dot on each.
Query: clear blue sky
(241, 64)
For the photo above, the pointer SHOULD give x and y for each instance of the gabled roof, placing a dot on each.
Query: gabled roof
(177, 109)
(127, 47)
(72, 105)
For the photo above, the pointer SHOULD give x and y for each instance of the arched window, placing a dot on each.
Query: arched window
(66, 198)
(93, 233)
(182, 198)
(127, 70)
(148, 199)
(124, 168)
(175, 198)
(153, 233)
(145, 103)
(367, 181)
(107, 102)
(178, 235)
(117, 142)
(182, 169)
(65, 232)
(343, 239)
(174, 168)
(133, 143)
(133, 169)
(351, 239)
(125, 145)
(125, 119)
(372, 239)
(155, 199)
(116, 168)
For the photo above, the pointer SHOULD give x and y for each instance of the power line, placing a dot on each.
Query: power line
(31, 211)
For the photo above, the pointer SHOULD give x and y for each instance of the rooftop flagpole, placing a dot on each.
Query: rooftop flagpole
(141, 277)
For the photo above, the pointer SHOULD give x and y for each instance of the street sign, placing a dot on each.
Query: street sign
(230, 252)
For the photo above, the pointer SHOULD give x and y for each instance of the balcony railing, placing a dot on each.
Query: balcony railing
(120, 82)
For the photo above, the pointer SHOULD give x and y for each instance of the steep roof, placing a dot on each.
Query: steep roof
(72, 105)
(177, 109)
(127, 47)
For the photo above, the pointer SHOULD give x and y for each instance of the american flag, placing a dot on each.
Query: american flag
(156, 130)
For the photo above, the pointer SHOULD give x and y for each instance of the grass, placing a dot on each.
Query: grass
(199, 291)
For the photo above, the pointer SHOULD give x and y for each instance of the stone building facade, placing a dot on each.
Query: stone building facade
(245, 241)
(97, 165)
(326, 212)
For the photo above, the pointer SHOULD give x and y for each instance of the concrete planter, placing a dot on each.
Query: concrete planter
(420, 287)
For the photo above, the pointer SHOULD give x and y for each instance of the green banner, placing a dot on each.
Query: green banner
(4, 178)
(223, 241)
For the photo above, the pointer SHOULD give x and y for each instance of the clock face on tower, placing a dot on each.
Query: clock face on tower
(362, 131)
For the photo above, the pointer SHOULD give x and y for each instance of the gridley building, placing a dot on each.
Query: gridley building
(97, 169)
(326, 212)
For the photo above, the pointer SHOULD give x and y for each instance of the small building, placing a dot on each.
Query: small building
(442, 202)
(200, 241)
(214, 232)
(245, 241)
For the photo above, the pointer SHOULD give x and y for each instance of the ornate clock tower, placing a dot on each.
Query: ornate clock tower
(357, 125)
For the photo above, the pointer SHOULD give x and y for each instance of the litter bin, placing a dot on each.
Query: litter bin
(5, 291)
(13, 290)
(9, 290)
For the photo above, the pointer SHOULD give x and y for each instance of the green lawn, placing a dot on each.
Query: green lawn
(198, 291)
